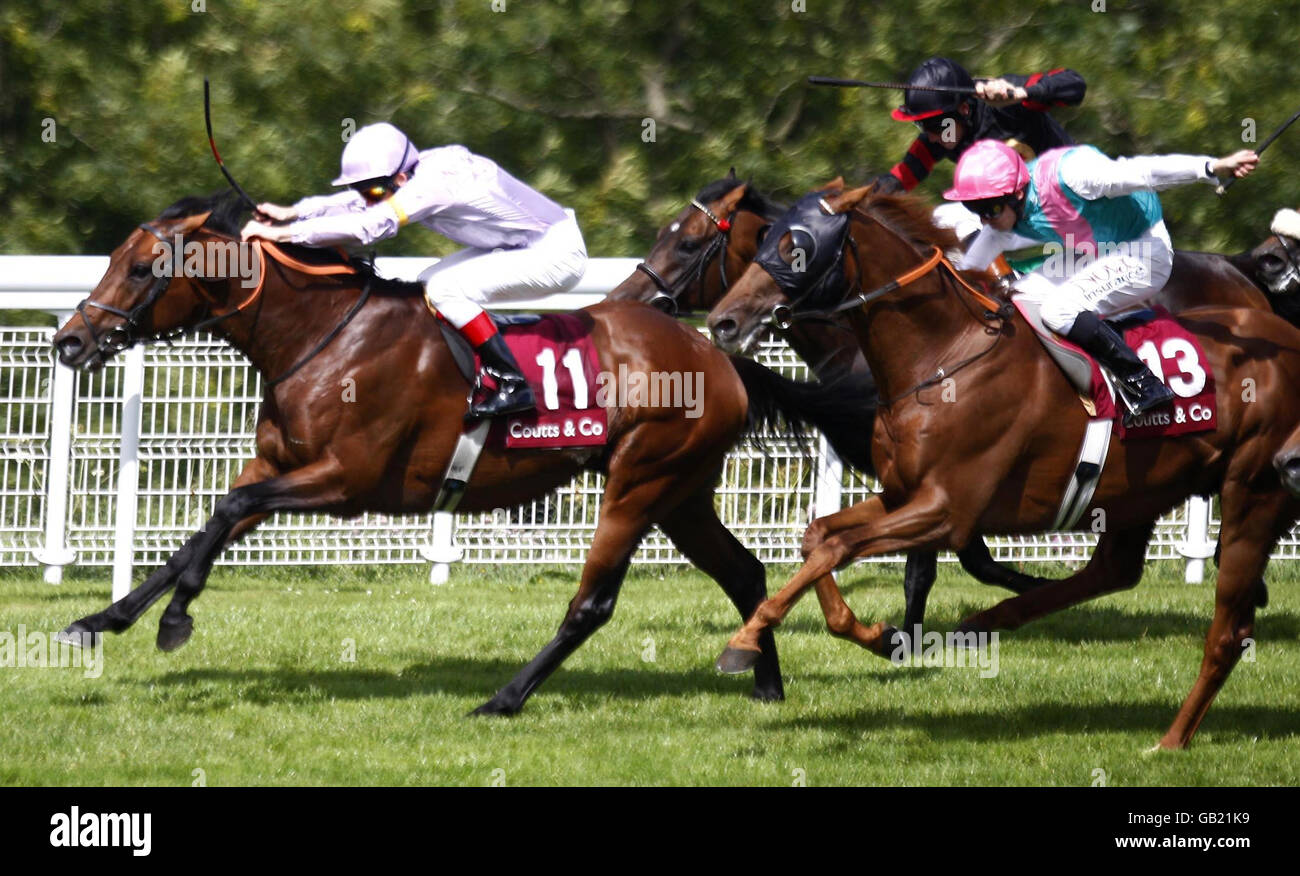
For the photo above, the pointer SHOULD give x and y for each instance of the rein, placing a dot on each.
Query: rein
(783, 316)
(666, 294)
(129, 333)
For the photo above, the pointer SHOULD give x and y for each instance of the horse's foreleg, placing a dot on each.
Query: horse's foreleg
(127, 610)
(979, 563)
(318, 485)
(918, 580)
(1116, 564)
(863, 530)
(1251, 524)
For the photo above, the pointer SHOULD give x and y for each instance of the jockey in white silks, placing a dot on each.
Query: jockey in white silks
(1109, 250)
(518, 243)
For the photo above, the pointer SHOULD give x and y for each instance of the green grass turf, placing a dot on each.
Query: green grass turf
(262, 695)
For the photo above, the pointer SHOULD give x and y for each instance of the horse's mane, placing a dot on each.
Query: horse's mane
(227, 210)
(911, 217)
(753, 200)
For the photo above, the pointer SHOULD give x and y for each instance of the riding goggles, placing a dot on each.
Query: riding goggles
(988, 208)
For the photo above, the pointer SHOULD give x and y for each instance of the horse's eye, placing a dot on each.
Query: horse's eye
(690, 244)
(140, 270)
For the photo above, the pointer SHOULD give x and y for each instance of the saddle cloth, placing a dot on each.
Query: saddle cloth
(1172, 352)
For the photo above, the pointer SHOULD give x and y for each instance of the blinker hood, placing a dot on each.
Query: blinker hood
(819, 236)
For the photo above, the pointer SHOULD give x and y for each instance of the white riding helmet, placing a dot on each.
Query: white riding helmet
(376, 151)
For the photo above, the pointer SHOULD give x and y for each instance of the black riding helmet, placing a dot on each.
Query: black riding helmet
(918, 105)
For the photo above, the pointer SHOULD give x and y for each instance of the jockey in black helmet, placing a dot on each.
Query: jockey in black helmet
(1013, 109)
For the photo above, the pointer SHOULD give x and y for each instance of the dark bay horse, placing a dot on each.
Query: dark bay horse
(996, 458)
(386, 447)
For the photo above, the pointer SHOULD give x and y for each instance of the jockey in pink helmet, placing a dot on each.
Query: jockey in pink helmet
(518, 243)
(1109, 250)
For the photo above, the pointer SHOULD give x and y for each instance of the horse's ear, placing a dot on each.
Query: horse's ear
(191, 223)
(731, 174)
(846, 201)
(835, 186)
(733, 198)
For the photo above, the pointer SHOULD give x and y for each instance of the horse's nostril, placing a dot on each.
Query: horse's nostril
(725, 329)
(68, 347)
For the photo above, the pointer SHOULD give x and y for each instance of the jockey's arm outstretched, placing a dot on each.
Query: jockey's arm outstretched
(518, 243)
(1103, 225)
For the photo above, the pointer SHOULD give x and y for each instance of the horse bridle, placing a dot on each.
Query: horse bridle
(666, 294)
(126, 335)
(1292, 274)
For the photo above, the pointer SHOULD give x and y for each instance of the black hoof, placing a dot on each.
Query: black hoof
(173, 634)
(768, 695)
(80, 634)
(893, 643)
(497, 707)
(734, 661)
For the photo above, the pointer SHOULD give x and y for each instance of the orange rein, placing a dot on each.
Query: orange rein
(265, 247)
(935, 260)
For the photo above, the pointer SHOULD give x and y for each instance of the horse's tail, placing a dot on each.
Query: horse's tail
(843, 410)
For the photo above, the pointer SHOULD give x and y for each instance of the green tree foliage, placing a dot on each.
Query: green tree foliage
(560, 94)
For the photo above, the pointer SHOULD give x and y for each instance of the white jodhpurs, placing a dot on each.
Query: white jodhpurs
(460, 285)
(1122, 277)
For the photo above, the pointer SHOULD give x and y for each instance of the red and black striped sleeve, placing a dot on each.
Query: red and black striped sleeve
(916, 164)
(1059, 87)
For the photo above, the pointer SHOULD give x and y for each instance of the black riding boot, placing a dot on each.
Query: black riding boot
(1140, 389)
(513, 394)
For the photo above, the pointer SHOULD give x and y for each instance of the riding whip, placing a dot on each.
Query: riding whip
(859, 83)
(1221, 188)
(207, 120)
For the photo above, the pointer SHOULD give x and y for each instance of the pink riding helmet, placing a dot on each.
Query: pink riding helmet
(988, 169)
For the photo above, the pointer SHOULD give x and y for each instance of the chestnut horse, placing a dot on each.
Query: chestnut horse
(386, 447)
(714, 239)
(997, 458)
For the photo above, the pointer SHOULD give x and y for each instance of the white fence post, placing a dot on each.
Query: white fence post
(442, 553)
(128, 472)
(1197, 547)
(55, 553)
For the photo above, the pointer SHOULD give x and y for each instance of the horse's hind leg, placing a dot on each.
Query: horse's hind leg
(698, 533)
(1251, 525)
(1116, 564)
(127, 610)
(623, 522)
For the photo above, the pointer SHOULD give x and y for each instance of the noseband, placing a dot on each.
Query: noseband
(666, 294)
(126, 335)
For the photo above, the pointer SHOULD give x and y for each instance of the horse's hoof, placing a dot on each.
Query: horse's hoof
(495, 707)
(734, 661)
(892, 642)
(173, 634)
(79, 634)
(768, 695)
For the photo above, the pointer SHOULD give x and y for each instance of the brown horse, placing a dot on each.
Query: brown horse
(386, 447)
(997, 458)
(714, 239)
